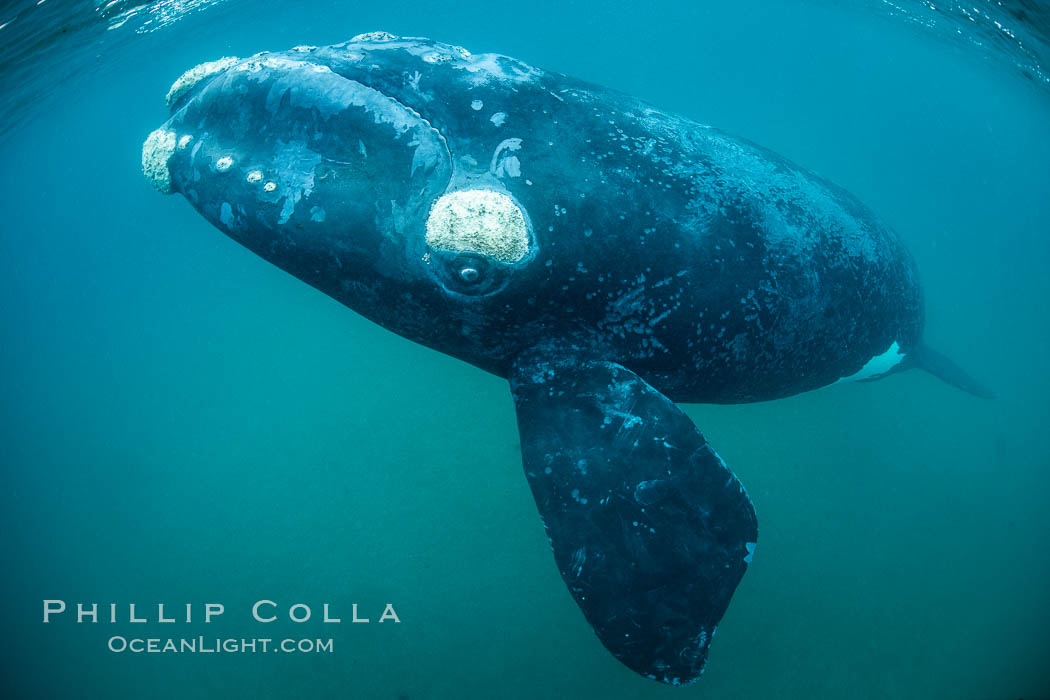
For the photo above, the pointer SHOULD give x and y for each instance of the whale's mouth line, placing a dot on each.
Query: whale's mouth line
(271, 89)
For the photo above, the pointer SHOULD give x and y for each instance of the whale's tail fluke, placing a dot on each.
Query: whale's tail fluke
(926, 358)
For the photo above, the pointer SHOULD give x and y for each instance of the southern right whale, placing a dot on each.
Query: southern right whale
(606, 257)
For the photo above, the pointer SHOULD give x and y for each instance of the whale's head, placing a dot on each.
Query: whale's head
(320, 161)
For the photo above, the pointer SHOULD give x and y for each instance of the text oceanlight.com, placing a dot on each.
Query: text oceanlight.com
(203, 645)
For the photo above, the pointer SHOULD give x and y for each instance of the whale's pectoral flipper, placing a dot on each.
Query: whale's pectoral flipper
(650, 530)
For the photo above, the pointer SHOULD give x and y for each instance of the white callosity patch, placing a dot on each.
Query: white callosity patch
(261, 64)
(187, 80)
(156, 151)
(878, 365)
(375, 36)
(478, 221)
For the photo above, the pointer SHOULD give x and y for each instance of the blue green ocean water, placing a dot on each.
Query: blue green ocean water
(181, 422)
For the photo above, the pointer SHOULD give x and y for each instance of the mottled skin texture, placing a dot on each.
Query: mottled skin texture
(651, 546)
(667, 261)
(712, 267)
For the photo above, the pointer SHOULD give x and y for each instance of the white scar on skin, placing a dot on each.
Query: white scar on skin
(502, 160)
(478, 221)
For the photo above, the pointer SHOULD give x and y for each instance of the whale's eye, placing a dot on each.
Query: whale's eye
(467, 273)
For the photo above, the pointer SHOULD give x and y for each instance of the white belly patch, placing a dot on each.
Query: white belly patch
(878, 365)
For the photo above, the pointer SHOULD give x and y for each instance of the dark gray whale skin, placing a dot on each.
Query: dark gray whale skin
(667, 261)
